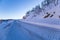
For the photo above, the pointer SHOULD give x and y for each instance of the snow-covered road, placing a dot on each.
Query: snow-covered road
(18, 30)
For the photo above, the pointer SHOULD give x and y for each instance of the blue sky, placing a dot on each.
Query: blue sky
(16, 9)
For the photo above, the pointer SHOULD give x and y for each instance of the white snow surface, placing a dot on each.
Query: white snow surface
(23, 30)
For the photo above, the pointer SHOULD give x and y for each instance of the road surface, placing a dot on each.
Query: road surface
(18, 30)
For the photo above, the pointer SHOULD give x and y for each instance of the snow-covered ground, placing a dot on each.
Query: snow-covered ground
(23, 30)
(43, 24)
(38, 24)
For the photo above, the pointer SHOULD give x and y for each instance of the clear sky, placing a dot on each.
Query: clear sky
(15, 9)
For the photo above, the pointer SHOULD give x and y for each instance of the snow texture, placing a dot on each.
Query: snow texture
(19, 30)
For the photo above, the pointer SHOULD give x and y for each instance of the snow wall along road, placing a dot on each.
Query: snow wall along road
(17, 30)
